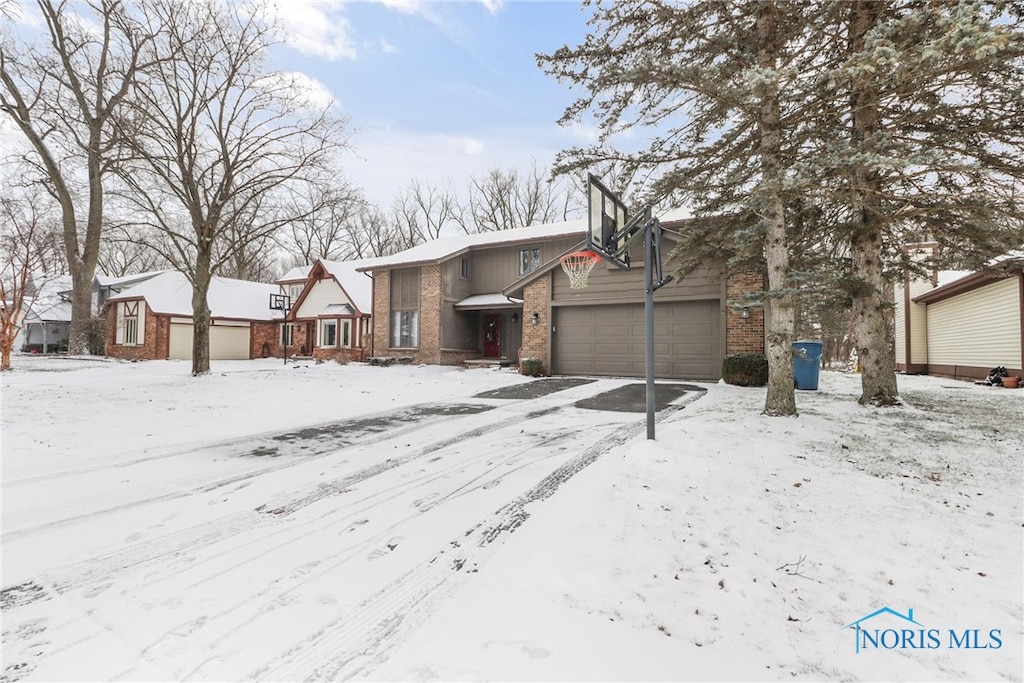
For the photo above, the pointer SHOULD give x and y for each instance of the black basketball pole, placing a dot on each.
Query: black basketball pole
(649, 321)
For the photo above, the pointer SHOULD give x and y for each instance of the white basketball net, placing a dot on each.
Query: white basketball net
(577, 267)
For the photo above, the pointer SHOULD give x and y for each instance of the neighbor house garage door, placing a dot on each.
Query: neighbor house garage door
(226, 342)
(609, 340)
(180, 346)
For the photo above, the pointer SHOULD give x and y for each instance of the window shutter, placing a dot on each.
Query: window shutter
(119, 332)
(142, 323)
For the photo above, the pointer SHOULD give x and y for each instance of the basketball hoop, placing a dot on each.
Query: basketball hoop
(577, 266)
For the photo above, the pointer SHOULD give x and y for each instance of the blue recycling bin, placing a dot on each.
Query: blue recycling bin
(806, 364)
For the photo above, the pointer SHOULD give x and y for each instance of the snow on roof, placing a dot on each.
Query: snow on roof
(48, 304)
(109, 281)
(444, 247)
(170, 293)
(944, 277)
(297, 273)
(487, 301)
(447, 246)
(357, 285)
(337, 309)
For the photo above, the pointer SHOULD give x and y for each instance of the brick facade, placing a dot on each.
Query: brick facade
(537, 338)
(153, 342)
(430, 315)
(157, 338)
(381, 312)
(743, 335)
(265, 340)
(430, 304)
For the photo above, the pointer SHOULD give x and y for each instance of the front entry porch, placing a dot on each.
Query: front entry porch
(493, 325)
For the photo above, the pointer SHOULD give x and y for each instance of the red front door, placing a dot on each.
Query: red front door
(492, 335)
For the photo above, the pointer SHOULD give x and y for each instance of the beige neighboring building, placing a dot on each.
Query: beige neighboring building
(961, 325)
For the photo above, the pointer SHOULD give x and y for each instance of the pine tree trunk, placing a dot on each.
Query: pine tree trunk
(872, 335)
(781, 396)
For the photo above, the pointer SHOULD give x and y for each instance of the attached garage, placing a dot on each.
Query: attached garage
(227, 341)
(609, 340)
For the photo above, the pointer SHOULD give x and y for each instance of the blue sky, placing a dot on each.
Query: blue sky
(434, 91)
(437, 91)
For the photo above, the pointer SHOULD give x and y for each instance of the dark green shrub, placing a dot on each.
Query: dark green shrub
(534, 367)
(745, 369)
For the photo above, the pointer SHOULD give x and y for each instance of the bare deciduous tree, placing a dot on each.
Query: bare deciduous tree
(63, 97)
(504, 199)
(327, 219)
(27, 251)
(220, 143)
(424, 210)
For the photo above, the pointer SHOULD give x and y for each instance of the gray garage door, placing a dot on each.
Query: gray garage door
(609, 340)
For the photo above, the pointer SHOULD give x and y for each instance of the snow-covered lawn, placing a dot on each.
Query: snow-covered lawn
(280, 522)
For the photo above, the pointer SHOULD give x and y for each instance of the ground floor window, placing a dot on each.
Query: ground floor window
(287, 334)
(405, 329)
(346, 333)
(329, 333)
(131, 330)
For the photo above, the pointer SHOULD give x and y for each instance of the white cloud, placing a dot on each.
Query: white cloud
(319, 29)
(307, 91)
(387, 47)
(492, 6)
(316, 94)
(470, 146)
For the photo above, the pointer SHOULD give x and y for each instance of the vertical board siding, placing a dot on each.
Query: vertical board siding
(979, 328)
(498, 267)
(608, 283)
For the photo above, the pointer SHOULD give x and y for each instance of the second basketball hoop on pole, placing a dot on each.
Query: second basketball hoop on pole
(577, 267)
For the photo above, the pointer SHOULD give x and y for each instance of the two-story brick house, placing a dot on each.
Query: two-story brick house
(502, 295)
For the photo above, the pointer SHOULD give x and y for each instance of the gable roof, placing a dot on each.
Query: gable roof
(446, 247)
(357, 285)
(170, 293)
(670, 220)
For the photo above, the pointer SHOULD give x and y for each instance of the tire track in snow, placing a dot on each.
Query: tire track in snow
(244, 448)
(351, 645)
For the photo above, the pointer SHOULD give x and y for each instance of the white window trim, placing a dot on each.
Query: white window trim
(414, 332)
(323, 330)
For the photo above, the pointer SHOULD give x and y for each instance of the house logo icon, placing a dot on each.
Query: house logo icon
(861, 632)
(891, 630)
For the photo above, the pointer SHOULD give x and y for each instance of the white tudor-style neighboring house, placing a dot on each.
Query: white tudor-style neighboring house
(153, 319)
(331, 311)
(961, 325)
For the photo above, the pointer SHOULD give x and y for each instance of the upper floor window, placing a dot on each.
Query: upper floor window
(465, 268)
(294, 291)
(529, 260)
